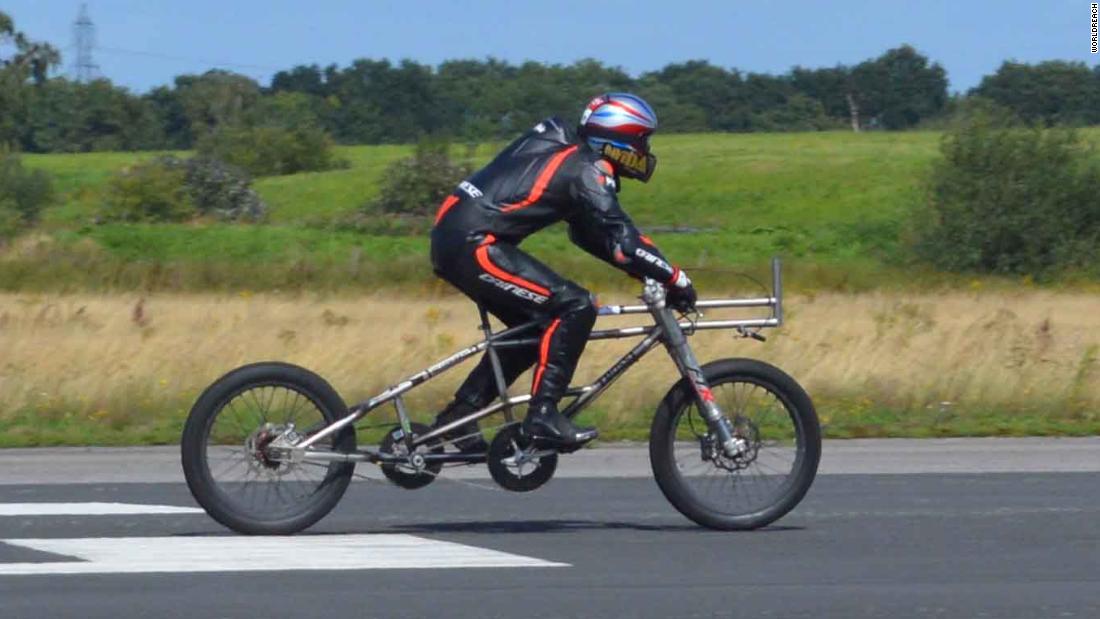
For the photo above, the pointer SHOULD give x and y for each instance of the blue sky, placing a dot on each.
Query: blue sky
(144, 43)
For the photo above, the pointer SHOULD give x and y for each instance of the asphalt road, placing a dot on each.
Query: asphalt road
(1016, 544)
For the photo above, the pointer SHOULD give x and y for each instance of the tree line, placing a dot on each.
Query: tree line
(378, 101)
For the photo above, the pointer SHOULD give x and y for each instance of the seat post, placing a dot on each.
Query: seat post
(494, 360)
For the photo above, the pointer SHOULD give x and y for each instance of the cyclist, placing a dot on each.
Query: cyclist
(551, 173)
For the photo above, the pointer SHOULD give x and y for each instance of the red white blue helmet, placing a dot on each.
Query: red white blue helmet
(618, 125)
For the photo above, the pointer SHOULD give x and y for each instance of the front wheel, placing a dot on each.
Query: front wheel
(771, 412)
(229, 468)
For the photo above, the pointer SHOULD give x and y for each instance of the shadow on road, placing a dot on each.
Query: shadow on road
(496, 527)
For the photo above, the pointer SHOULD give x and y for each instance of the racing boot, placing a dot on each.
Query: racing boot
(544, 424)
(461, 435)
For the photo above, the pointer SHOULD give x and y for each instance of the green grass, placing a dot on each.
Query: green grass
(709, 180)
(149, 421)
(834, 204)
(242, 257)
(320, 196)
(80, 180)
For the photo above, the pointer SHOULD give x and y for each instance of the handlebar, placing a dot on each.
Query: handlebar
(775, 301)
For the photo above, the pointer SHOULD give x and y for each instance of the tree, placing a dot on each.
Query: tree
(374, 101)
(797, 113)
(66, 116)
(379, 101)
(714, 90)
(674, 115)
(23, 194)
(305, 79)
(289, 110)
(473, 111)
(215, 99)
(1010, 199)
(1052, 92)
(898, 89)
(167, 104)
(830, 86)
(31, 58)
(31, 61)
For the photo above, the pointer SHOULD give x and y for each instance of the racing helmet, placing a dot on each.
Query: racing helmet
(618, 125)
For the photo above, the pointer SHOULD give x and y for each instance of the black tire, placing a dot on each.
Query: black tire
(504, 445)
(404, 476)
(804, 443)
(223, 394)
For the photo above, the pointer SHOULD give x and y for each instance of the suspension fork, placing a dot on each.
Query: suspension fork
(682, 355)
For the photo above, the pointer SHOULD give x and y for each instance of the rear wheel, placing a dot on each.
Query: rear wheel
(227, 463)
(405, 474)
(771, 412)
(517, 466)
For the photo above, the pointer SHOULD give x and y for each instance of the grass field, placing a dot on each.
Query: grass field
(119, 369)
(707, 180)
(886, 347)
(835, 202)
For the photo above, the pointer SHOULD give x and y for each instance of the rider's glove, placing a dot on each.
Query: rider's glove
(681, 294)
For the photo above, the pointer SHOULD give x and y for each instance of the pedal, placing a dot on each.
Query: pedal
(549, 445)
(545, 443)
(568, 449)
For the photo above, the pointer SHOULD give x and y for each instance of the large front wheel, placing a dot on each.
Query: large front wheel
(227, 463)
(771, 412)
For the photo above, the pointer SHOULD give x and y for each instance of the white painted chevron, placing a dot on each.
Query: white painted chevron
(129, 555)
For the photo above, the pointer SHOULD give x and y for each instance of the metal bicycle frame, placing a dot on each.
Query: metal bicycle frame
(666, 329)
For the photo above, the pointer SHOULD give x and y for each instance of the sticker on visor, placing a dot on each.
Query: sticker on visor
(629, 162)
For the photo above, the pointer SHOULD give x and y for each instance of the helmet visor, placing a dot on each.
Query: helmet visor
(630, 162)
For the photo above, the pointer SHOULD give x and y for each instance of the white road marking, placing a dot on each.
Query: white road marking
(90, 509)
(129, 555)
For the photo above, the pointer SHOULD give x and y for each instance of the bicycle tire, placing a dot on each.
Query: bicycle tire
(663, 436)
(196, 468)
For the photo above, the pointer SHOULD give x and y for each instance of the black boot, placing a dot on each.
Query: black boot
(457, 410)
(546, 425)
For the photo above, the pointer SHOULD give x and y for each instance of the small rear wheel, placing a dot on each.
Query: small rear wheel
(229, 467)
(406, 474)
(771, 412)
(518, 466)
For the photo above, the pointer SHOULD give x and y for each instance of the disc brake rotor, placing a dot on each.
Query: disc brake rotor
(259, 456)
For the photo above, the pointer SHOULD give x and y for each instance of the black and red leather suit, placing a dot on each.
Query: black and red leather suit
(545, 176)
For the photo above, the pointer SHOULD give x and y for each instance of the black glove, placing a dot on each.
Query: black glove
(681, 294)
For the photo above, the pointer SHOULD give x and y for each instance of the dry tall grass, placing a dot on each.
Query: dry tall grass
(112, 368)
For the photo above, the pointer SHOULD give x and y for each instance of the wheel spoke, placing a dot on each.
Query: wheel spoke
(259, 487)
(754, 481)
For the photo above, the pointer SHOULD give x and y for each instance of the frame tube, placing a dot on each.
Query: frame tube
(584, 394)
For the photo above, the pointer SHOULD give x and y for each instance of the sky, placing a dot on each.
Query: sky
(144, 43)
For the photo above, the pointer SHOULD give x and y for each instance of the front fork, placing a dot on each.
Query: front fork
(678, 348)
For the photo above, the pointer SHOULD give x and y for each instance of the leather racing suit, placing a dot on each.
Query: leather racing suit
(545, 176)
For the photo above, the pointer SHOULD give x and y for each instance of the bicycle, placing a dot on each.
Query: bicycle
(705, 436)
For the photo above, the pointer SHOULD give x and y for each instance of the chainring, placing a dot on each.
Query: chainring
(530, 473)
(405, 474)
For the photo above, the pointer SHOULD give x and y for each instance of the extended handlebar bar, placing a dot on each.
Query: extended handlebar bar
(775, 301)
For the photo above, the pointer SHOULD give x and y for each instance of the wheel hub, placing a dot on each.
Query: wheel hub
(744, 429)
(258, 447)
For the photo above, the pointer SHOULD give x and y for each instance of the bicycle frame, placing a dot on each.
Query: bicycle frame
(667, 329)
